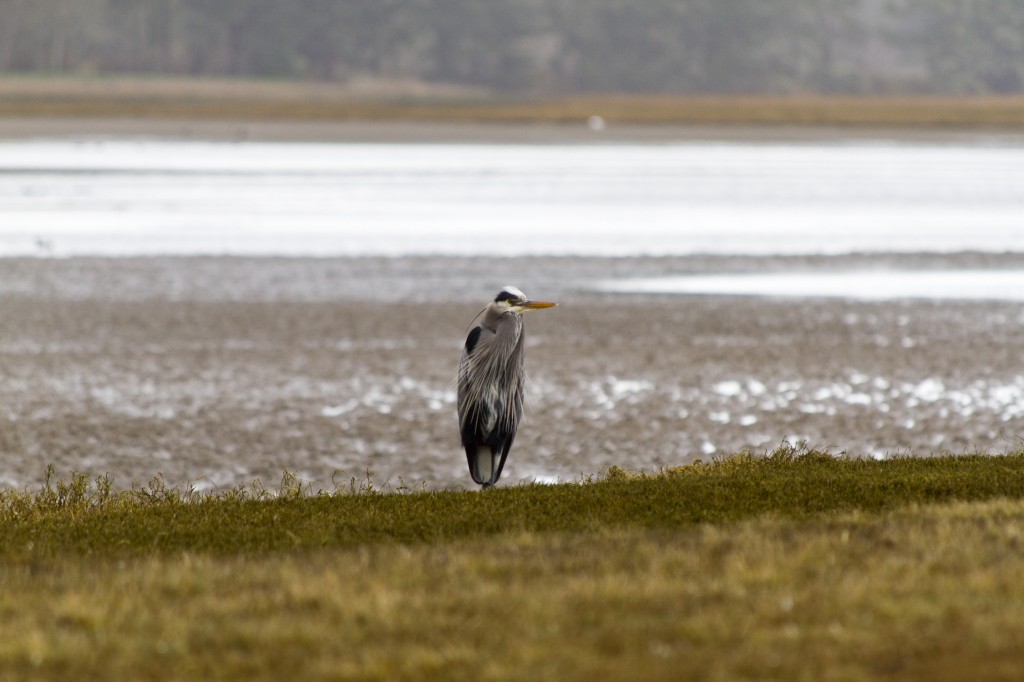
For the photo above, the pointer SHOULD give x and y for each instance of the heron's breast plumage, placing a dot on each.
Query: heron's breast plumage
(491, 371)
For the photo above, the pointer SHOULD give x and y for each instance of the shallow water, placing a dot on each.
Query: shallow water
(122, 197)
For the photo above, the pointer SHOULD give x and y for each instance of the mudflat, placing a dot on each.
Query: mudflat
(220, 371)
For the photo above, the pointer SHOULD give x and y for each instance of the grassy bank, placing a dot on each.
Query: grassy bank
(92, 518)
(269, 101)
(789, 567)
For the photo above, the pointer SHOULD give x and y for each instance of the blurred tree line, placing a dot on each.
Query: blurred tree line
(538, 46)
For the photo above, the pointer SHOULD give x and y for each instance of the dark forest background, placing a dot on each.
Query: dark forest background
(538, 46)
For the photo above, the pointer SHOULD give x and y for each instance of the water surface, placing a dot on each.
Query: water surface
(125, 197)
(869, 285)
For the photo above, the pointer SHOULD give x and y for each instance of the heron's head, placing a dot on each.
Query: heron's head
(512, 299)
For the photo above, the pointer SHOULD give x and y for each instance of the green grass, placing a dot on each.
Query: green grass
(792, 566)
(84, 517)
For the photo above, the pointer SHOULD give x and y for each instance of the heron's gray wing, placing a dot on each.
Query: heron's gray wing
(471, 384)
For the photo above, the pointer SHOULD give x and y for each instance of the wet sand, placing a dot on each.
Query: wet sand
(219, 371)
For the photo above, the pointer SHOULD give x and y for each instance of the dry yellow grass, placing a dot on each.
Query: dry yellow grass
(262, 100)
(922, 593)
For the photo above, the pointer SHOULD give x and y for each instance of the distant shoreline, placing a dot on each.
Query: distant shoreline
(238, 109)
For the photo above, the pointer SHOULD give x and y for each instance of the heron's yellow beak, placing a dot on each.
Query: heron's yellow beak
(537, 305)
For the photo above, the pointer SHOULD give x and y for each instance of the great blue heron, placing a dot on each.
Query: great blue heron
(490, 384)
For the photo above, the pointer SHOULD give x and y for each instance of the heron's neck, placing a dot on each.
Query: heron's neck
(493, 316)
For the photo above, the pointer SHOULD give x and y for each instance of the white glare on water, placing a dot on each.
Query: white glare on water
(123, 197)
(863, 285)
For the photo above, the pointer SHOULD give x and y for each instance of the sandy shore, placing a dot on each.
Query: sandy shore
(221, 371)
